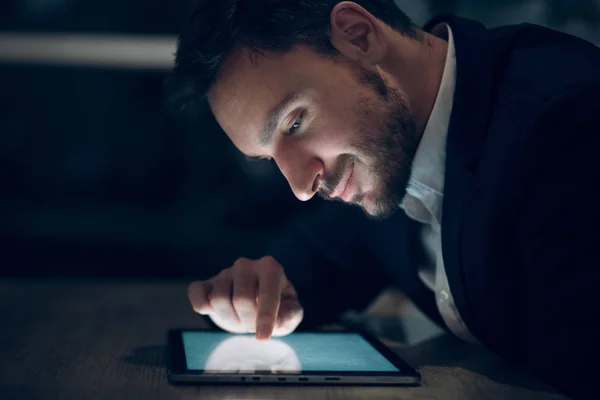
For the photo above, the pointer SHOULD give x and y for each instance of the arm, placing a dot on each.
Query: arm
(329, 258)
(330, 262)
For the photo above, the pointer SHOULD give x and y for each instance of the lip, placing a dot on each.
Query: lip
(342, 188)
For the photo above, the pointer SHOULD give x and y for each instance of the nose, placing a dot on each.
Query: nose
(304, 177)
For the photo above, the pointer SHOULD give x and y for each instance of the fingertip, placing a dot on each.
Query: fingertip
(263, 332)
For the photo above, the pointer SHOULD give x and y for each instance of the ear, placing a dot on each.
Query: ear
(356, 33)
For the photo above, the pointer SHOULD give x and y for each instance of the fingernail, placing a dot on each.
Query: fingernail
(263, 332)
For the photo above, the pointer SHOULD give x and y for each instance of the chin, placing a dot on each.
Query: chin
(377, 209)
(369, 207)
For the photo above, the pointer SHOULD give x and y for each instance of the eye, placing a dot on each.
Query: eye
(295, 126)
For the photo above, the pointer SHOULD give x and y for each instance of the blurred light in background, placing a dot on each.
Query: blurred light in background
(76, 50)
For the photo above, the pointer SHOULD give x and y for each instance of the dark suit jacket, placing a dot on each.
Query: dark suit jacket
(521, 210)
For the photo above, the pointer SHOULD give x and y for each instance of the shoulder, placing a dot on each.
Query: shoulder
(540, 62)
(546, 91)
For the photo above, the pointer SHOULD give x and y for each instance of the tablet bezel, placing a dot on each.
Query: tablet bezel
(178, 371)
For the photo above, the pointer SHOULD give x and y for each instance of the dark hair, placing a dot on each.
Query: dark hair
(219, 27)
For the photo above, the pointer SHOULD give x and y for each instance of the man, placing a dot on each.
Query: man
(474, 149)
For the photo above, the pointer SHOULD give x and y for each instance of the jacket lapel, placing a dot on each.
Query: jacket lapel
(466, 134)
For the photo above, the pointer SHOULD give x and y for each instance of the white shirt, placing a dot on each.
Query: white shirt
(425, 192)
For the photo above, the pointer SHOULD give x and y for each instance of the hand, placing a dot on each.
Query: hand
(252, 296)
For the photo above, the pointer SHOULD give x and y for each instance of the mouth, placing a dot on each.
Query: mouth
(341, 190)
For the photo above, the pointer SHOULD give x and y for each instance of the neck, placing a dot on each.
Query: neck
(417, 67)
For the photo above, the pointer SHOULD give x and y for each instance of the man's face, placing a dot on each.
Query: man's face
(333, 127)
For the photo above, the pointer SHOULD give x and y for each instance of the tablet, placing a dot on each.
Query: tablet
(330, 358)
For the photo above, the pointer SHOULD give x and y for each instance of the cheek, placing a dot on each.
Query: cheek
(332, 135)
(331, 132)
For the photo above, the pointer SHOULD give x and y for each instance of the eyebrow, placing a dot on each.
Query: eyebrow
(274, 116)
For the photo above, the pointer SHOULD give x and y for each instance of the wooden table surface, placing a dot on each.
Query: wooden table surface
(90, 340)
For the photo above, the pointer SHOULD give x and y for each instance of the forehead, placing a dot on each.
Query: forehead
(247, 89)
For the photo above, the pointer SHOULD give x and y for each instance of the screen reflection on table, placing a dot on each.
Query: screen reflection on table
(245, 354)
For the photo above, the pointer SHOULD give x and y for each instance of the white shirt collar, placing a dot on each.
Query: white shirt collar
(424, 195)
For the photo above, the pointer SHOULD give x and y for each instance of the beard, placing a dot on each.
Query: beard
(385, 145)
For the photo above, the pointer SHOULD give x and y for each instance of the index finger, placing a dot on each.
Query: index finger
(270, 284)
(198, 293)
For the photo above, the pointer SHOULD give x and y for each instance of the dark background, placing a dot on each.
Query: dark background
(98, 181)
